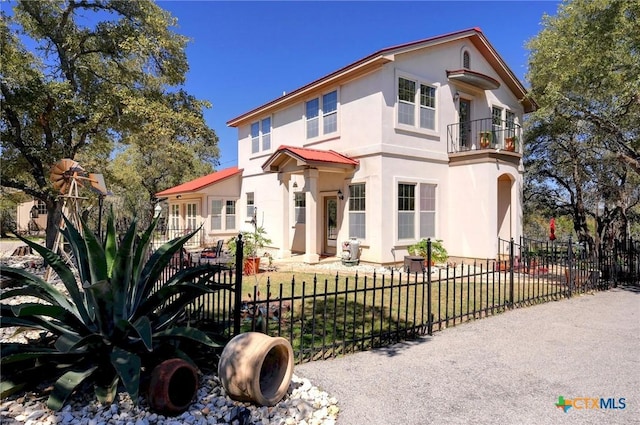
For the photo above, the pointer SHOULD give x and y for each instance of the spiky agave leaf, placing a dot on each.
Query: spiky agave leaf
(128, 366)
(120, 276)
(66, 384)
(156, 264)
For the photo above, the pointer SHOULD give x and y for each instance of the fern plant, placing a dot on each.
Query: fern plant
(112, 324)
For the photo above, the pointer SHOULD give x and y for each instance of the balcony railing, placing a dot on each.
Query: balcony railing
(486, 133)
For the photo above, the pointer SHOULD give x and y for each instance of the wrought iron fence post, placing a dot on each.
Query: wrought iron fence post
(511, 274)
(571, 274)
(238, 286)
(429, 315)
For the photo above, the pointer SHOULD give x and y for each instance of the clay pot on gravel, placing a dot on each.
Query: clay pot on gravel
(173, 386)
(257, 368)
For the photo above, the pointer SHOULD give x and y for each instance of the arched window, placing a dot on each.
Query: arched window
(466, 61)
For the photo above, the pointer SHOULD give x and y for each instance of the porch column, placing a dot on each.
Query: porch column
(285, 245)
(311, 211)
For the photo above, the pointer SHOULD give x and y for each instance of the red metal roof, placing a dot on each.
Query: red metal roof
(307, 154)
(200, 182)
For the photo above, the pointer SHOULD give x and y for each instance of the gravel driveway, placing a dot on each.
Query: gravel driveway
(507, 369)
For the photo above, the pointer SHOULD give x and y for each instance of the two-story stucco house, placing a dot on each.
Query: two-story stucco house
(413, 141)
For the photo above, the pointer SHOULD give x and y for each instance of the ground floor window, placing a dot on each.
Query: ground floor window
(174, 219)
(300, 207)
(192, 216)
(427, 210)
(406, 211)
(220, 215)
(412, 215)
(357, 212)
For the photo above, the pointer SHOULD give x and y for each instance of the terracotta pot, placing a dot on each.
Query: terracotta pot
(173, 385)
(256, 367)
(251, 266)
(510, 144)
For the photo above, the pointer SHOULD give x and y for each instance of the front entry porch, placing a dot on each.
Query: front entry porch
(312, 183)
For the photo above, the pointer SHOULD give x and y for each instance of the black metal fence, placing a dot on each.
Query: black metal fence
(344, 314)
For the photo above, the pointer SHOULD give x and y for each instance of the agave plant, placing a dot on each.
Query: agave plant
(114, 322)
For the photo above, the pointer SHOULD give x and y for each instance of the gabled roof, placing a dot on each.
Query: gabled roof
(381, 57)
(201, 182)
(306, 156)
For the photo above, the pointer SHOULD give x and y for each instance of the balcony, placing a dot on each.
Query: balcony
(486, 133)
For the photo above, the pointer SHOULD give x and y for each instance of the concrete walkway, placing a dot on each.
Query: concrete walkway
(506, 369)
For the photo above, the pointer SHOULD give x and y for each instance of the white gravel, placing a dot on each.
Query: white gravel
(303, 403)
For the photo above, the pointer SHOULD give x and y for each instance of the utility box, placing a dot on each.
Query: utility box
(413, 264)
(350, 252)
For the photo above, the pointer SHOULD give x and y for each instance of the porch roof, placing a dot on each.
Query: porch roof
(201, 182)
(307, 157)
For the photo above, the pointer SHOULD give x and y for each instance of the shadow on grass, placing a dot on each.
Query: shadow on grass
(335, 325)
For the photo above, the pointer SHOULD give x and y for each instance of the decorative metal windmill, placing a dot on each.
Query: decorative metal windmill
(67, 176)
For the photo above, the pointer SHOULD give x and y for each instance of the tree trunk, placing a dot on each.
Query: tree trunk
(54, 215)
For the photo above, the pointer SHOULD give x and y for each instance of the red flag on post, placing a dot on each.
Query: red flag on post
(552, 229)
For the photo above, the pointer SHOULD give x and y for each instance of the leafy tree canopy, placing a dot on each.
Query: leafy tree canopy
(583, 143)
(80, 78)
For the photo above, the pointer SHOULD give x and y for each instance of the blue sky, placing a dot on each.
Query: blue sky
(244, 54)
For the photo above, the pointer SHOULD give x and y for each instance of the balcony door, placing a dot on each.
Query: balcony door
(464, 114)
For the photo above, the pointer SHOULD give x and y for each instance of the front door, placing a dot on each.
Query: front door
(464, 111)
(330, 225)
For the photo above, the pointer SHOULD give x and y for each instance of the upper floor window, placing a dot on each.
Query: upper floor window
(510, 121)
(416, 99)
(261, 135)
(466, 60)
(323, 109)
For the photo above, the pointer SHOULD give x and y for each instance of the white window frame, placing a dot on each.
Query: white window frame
(255, 137)
(416, 102)
(265, 133)
(260, 135)
(251, 206)
(42, 207)
(407, 215)
(175, 216)
(223, 214)
(191, 216)
(217, 206)
(424, 213)
(427, 210)
(357, 209)
(230, 211)
(319, 123)
(300, 207)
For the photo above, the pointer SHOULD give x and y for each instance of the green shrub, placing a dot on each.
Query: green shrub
(113, 324)
(438, 253)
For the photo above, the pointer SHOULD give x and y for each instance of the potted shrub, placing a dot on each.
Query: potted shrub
(485, 139)
(439, 254)
(253, 241)
(510, 143)
(115, 320)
